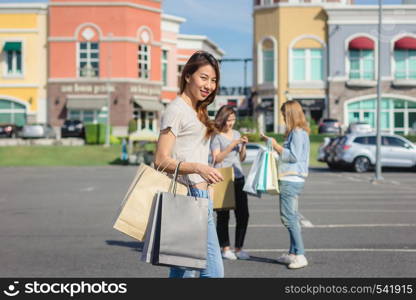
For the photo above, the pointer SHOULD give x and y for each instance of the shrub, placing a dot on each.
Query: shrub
(132, 127)
(246, 124)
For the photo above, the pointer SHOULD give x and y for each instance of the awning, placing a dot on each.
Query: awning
(13, 46)
(149, 104)
(86, 103)
(405, 44)
(361, 43)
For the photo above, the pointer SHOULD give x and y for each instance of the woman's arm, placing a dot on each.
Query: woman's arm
(243, 148)
(163, 160)
(293, 152)
(218, 155)
(276, 146)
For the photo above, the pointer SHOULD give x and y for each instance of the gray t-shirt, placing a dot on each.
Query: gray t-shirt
(191, 144)
(221, 142)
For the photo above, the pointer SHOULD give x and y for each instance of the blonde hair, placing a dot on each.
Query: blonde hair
(294, 116)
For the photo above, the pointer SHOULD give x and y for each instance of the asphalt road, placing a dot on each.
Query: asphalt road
(57, 222)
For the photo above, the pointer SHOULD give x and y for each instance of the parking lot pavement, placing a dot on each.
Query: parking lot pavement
(58, 222)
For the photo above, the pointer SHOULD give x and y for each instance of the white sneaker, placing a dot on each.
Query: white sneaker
(242, 255)
(228, 254)
(286, 258)
(299, 262)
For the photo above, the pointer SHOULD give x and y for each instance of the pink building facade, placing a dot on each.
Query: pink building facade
(120, 59)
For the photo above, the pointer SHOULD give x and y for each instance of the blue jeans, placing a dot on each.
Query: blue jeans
(215, 266)
(289, 194)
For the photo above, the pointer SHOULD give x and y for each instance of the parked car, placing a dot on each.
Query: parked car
(359, 151)
(252, 149)
(359, 127)
(9, 130)
(329, 126)
(330, 152)
(72, 128)
(322, 154)
(37, 131)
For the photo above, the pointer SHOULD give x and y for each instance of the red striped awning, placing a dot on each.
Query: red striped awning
(405, 43)
(361, 43)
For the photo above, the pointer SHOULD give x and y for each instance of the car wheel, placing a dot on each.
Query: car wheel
(332, 166)
(361, 164)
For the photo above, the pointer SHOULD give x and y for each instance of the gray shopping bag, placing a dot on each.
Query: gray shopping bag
(177, 231)
(183, 231)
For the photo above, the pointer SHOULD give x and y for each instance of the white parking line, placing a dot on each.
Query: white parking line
(339, 210)
(88, 189)
(337, 250)
(333, 225)
(335, 202)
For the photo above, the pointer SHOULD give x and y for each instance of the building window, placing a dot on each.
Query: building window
(268, 61)
(13, 58)
(88, 115)
(165, 67)
(89, 60)
(361, 59)
(12, 113)
(307, 65)
(147, 120)
(397, 115)
(144, 61)
(405, 58)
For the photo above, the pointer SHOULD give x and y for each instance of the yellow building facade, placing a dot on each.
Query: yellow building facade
(23, 63)
(289, 51)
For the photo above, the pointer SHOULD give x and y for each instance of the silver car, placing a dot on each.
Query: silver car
(251, 151)
(359, 151)
(37, 131)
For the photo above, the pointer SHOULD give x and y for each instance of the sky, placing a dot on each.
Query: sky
(228, 23)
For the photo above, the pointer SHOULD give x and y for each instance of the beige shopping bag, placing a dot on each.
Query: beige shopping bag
(224, 194)
(135, 208)
(272, 186)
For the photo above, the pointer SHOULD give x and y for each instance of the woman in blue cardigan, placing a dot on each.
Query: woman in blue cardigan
(293, 170)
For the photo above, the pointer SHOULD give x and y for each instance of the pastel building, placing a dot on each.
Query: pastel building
(323, 53)
(23, 63)
(105, 56)
(176, 50)
(353, 69)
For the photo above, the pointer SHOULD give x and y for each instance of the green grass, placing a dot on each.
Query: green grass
(80, 155)
(59, 155)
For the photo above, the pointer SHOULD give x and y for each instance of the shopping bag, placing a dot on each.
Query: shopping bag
(272, 186)
(267, 182)
(252, 178)
(224, 192)
(177, 231)
(262, 179)
(134, 212)
(149, 251)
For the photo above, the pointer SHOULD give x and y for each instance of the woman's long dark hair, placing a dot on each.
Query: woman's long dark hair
(197, 60)
(222, 116)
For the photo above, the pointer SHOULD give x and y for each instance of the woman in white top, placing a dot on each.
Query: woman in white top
(185, 136)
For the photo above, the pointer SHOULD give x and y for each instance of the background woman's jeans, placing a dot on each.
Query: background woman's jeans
(289, 194)
(215, 267)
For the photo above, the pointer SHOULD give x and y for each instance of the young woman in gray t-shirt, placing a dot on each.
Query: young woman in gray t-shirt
(228, 149)
(185, 135)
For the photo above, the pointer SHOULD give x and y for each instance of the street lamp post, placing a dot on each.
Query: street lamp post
(378, 175)
(107, 129)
